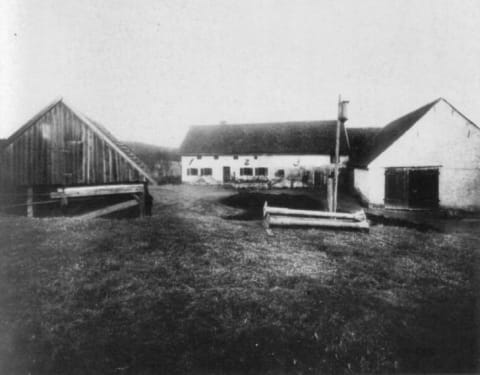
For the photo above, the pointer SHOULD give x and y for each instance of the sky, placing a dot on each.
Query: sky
(149, 69)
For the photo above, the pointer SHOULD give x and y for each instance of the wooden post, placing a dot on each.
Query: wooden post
(147, 200)
(30, 202)
(330, 194)
(140, 198)
(341, 118)
(337, 160)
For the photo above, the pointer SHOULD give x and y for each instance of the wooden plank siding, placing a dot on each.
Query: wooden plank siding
(60, 148)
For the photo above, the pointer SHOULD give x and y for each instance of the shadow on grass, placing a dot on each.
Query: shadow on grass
(422, 227)
(252, 203)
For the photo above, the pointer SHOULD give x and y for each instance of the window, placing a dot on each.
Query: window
(192, 172)
(280, 173)
(246, 172)
(261, 171)
(215, 157)
(206, 171)
(235, 157)
(199, 157)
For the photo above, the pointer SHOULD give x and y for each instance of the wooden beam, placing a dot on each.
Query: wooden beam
(356, 216)
(86, 191)
(315, 222)
(109, 209)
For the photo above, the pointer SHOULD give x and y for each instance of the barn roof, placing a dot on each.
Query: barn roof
(126, 150)
(306, 137)
(387, 135)
(99, 129)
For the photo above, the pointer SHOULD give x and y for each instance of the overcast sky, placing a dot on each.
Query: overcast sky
(148, 69)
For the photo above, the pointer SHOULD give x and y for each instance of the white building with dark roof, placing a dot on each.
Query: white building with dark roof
(268, 151)
(426, 159)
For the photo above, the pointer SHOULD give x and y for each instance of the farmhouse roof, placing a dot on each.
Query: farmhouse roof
(387, 135)
(361, 141)
(99, 129)
(305, 137)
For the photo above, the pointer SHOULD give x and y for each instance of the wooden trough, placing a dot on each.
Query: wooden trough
(279, 216)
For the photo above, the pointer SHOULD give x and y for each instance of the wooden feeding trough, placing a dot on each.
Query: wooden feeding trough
(279, 216)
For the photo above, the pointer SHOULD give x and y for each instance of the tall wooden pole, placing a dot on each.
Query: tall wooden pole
(337, 158)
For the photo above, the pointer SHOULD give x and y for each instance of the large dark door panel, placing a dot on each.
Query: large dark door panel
(396, 187)
(411, 187)
(423, 188)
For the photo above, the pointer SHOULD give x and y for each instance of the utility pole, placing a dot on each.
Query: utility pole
(341, 118)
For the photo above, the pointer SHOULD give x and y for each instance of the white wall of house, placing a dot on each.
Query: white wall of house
(441, 138)
(272, 162)
(361, 178)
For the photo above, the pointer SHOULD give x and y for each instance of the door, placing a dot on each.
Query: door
(423, 188)
(226, 174)
(411, 188)
(396, 187)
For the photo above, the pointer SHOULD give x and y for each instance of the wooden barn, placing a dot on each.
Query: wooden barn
(60, 148)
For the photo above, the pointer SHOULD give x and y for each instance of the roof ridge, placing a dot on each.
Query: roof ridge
(296, 122)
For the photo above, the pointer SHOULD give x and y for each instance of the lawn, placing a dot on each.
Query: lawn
(193, 290)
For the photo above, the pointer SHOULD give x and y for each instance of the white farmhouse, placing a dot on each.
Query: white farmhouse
(427, 159)
(268, 151)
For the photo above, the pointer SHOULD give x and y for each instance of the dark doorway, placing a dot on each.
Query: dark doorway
(423, 188)
(396, 187)
(411, 188)
(226, 174)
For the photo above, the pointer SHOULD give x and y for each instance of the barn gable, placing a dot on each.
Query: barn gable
(433, 163)
(389, 134)
(60, 146)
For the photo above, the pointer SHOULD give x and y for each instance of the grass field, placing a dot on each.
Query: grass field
(188, 291)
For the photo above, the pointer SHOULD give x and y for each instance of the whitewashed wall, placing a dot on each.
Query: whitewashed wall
(443, 139)
(361, 180)
(272, 162)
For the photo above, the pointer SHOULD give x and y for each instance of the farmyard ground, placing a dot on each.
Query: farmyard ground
(191, 291)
